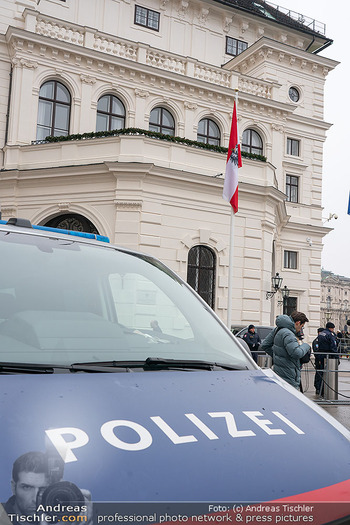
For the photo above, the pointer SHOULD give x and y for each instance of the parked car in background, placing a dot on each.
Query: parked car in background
(236, 328)
(262, 330)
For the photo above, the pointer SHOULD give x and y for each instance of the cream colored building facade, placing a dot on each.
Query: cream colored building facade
(335, 300)
(164, 197)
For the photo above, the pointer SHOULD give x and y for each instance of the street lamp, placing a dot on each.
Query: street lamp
(276, 282)
(285, 294)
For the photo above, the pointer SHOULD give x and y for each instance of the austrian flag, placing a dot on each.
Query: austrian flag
(234, 161)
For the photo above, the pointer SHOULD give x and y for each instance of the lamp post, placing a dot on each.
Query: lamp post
(276, 282)
(285, 294)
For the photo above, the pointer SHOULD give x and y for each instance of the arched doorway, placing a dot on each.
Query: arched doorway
(72, 221)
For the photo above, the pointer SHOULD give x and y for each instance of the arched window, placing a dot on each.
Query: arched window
(252, 142)
(110, 113)
(53, 111)
(201, 272)
(162, 121)
(208, 132)
(72, 221)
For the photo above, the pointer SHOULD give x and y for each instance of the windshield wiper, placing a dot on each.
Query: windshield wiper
(157, 363)
(151, 363)
(27, 368)
(41, 368)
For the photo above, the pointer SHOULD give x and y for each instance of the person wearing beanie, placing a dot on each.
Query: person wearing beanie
(253, 340)
(327, 346)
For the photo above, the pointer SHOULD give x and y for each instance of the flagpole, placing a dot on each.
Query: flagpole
(230, 269)
(231, 253)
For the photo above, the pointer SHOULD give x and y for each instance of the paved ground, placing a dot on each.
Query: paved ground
(340, 408)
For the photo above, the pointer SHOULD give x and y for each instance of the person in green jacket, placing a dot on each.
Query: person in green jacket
(283, 346)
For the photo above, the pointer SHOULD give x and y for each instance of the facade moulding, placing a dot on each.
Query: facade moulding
(313, 123)
(8, 210)
(169, 63)
(187, 88)
(128, 204)
(268, 226)
(276, 52)
(52, 171)
(270, 109)
(24, 63)
(203, 236)
(88, 211)
(311, 228)
(296, 166)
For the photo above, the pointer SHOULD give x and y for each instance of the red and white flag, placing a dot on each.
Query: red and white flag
(234, 161)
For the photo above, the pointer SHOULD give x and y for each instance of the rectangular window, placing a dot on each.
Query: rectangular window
(147, 18)
(290, 305)
(293, 147)
(234, 47)
(292, 186)
(291, 260)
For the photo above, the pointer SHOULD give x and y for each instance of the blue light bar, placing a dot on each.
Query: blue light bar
(69, 232)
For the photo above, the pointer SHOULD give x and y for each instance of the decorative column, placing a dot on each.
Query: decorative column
(87, 115)
(23, 104)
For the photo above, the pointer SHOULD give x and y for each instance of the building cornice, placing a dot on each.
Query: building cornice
(30, 50)
(320, 231)
(59, 41)
(266, 49)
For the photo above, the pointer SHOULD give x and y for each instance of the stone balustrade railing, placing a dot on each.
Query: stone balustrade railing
(59, 31)
(142, 53)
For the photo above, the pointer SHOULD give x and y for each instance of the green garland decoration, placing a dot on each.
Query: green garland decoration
(147, 133)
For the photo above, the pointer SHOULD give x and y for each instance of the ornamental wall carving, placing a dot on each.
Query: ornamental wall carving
(128, 205)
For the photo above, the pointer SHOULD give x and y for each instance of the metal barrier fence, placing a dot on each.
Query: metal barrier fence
(333, 371)
(334, 377)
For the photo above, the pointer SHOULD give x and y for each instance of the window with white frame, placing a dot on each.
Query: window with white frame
(53, 110)
(290, 260)
(293, 147)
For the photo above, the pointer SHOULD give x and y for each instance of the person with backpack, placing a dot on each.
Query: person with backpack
(319, 364)
(286, 351)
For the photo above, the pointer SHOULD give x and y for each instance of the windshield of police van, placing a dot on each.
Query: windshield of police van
(63, 302)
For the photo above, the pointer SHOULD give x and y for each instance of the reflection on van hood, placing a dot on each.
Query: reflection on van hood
(171, 436)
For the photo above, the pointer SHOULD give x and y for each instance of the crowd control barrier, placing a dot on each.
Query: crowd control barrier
(264, 361)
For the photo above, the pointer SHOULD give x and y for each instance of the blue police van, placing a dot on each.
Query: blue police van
(120, 386)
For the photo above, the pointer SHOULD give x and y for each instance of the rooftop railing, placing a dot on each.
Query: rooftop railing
(310, 23)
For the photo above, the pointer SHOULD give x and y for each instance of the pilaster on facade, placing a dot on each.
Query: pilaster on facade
(165, 196)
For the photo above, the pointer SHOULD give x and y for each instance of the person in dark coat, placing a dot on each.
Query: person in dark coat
(327, 348)
(252, 338)
(327, 341)
(283, 346)
(319, 364)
